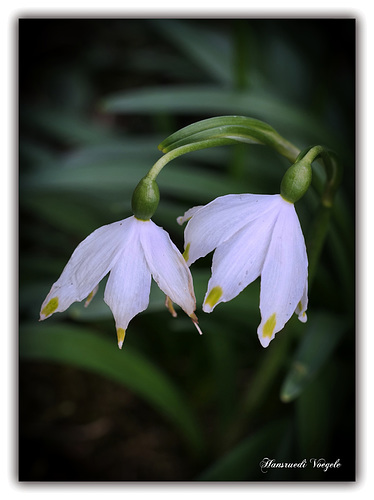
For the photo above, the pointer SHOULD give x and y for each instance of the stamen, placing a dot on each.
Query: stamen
(91, 296)
(169, 305)
(197, 328)
(195, 322)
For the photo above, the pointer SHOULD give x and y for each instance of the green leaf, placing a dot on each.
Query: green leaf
(206, 48)
(64, 343)
(74, 216)
(125, 150)
(315, 413)
(262, 379)
(243, 462)
(119, 181)
(213, 100)
(66, 126)
(322, 335)
(215, 125)
(238, 128)
(111, 175)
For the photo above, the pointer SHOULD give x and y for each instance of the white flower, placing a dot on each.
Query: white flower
(252, 235)
(132, 250)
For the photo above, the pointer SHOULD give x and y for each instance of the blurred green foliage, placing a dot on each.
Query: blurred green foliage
(96, 98)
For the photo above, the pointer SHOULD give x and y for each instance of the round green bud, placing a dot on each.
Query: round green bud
(145, 199)
(296, 181)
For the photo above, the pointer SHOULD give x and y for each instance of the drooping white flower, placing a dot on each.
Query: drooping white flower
(252, 235)
(132, 250)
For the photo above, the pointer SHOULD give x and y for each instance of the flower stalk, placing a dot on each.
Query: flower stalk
(183, 149)
(332, 169)
(229, 130)
(319, 227)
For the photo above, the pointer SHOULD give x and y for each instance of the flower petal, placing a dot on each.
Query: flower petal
(129, 283)
(187, 215)
(239, 261)
(168, 267)
(90, 262)
(284, 274)
(218, 221)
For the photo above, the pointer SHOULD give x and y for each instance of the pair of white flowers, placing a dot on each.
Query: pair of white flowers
(251, 235)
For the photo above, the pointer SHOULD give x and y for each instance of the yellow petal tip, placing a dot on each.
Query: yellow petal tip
(213, 297)
(49, 308)
(268, 328)
(186, 253)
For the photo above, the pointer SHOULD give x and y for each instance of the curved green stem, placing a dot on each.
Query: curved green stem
(319, 228)
(188, 148)
(220, 131)
(316, 238)
(332, 169)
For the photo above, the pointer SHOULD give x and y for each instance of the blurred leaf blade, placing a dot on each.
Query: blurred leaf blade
(315, 411)
(322, 335)
(214, 100)
(70, 128)
(116, 179)
(80, 347)
(243, 461)
(207, 49)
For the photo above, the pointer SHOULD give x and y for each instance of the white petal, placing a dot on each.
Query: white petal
(284, 274)
(218, 221)
(129, 283)
(187, 215)
(239, 261)
(168, 267)
(91, 261)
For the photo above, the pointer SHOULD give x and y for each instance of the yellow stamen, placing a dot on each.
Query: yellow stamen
(50, 307)
(91, 296)
(214, 295)
(169, 305)
(120, 336)
(268, 328)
